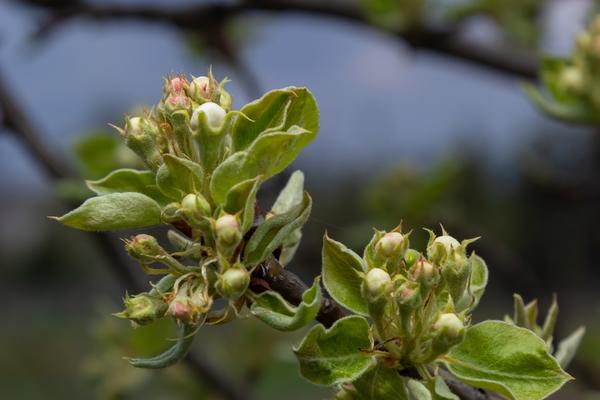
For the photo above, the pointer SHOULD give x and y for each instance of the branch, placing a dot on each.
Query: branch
(202, 18)
(16, 121)
(272, 275)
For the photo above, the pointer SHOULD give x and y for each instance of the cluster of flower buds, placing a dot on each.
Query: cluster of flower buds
(412, 296)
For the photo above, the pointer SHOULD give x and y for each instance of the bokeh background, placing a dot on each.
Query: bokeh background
(416, 127)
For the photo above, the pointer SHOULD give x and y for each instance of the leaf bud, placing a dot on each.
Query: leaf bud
(449, 331)
(228, 230)
(214, 114)
(233, 283)
(392, 244)
(195, 206)
(144, 247)
(143, 308)
(377, 283)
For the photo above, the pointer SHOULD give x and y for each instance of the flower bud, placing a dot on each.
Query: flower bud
(233, 283)
(177, 85)
(228, 231)
(214, 113)
(144, 247)
(177, 102)
(141, 136)
(441, 247)
(377, 283)
(571, 80)
(408, 297)
(200, 88)
(392, 244)
(195, 206)
(449, 331)
(143, 308)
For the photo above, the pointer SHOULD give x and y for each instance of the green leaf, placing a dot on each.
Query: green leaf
(178, 177)
(271, 233)
(417, 391)
(341, 275)
(113, 211)
(243, 197)
(267, 156)
(290, 196)
(174, 354)
(567, 348)
(128, 180)
(273, 310)
(276, 110)
(479, 280)
(336, 355)
(442, 391)
(380, 383)
(100, 153)
(506, 359)
(568, 112)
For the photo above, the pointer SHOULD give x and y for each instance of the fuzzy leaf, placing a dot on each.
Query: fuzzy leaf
(380, 383)
(276, 110)
(267, 156)
(112, 212)
(506, 359)
(567, 348)
(242, 197)
(178, 177)
(479, 280)
(128, 180)
(335, 355)
(341, 275)
(442, 391)
(273, 310)
(271, 233)
(417, 391)
(291, 194)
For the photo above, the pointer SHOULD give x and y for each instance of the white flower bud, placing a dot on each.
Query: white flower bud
(227, 229)
(195, 205)
(450, 326)
(448, 242)
(215, 115)
(571, 79)
(391, 244)
(134, 126)
(377, 282)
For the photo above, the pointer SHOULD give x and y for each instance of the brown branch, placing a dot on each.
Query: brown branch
(202, 17)
(16, 121)
(272, 275)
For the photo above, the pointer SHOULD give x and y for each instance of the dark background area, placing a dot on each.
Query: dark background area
(409, 131)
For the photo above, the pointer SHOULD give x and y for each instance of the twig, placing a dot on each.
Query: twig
(198, 17)
(16, 121)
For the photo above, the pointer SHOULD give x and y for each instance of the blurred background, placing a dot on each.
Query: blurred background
(422, 120)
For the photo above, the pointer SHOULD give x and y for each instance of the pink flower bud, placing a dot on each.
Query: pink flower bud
(200, 87)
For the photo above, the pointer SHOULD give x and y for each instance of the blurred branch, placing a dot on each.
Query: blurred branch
(16, 122)
(271, 275)
(205, 18)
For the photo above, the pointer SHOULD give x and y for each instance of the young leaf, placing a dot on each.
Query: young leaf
(128, 180)
(506, 359)
(270, 234)
(291, 194)
(568, 347)
(341, 275)
(243, 197)
(417, 391)
(479, 280)
(336, 355)
(442, 391)
(178, 177)
(277, 110)
(380, 383)
(270, 154)
(172, 355)
(273, 310)
(112, 212)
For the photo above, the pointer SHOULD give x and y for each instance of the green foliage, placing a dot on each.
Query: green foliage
(506, 359)
(273, 310)
(128, 180)
(336, 355)
(342, 269)
(170, 356)
(570, 86)
(380, 383)
(114, 211)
